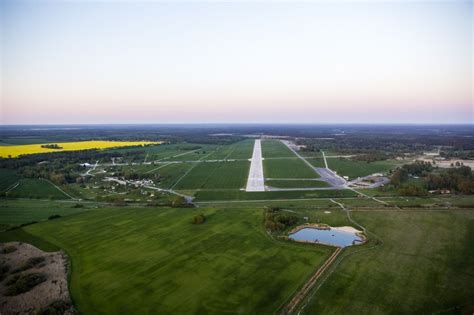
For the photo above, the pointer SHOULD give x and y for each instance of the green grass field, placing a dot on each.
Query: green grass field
(240, 150)
(296, 183)
(270, 195)
(16, 212)
(425, 266)
(8, 178)
(155, 261)
(354, 169)
(216, 175)
(173, 152)
(287, 168)
(316, 161)
(171, 173)
(274, 148)
(36, 188)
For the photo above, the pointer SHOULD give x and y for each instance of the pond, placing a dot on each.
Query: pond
(334, 236)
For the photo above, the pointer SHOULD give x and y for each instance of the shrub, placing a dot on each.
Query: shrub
(4, 268)
(31, 262)
(13, 280)
(25, 283)
(277, 221)
(9, 249)
(58, 307)
(54, 216)
(199, 219)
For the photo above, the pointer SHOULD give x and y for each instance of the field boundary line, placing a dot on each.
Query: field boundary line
(300, 157)
(177, 155)
(188, 171)
(58, 188)
(148, 172)
(303, 292)
(12, 186)
(344, 255)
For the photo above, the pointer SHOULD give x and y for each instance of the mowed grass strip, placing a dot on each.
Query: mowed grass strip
(239, 150)
(296, 183)
(275, 148)
(354, 169)
(219, 175)
(242, 150)
(141, 261)
(271, 195)
(287, 168)
(425, 266)
(170, 173)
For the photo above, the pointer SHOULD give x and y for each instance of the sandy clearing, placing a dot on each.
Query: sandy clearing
(53, 289)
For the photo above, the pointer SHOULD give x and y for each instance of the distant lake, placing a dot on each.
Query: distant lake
(335, 236)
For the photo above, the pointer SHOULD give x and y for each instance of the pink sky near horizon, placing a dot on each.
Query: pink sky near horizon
(160, 62)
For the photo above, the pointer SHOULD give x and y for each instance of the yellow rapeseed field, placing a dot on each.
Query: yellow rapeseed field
(17, 150)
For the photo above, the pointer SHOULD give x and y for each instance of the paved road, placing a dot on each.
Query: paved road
(326, 174)
(329, 176)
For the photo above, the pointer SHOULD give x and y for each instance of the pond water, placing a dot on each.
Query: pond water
(341, 237)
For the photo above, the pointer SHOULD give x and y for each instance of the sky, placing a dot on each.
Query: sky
(77, 62)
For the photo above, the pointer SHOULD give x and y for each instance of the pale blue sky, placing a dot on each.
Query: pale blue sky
(154, 62)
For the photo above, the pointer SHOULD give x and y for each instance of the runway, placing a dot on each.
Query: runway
(256, 181)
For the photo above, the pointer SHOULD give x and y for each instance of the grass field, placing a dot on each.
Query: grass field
(354, 169)
(239, 150)
(316, 161)
(155, 261)
(8, 178)
(425, 266)
(17, 150)
(216, 175)
(287, 168)
(296, 183)
(270, 195)
(36, 188)
(16, 212)
(274, 148)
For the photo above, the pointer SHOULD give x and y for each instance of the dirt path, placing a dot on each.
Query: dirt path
(300, 295)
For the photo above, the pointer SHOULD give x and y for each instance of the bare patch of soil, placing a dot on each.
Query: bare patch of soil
(20, 290)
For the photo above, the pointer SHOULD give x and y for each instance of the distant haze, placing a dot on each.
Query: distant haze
(308, 62)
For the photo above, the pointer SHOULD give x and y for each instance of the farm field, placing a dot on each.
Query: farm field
(426, 265)
(216, 175)
(296, 183)
(270, 195)
(8, 178)
(354, 169)
(287, 168)
(240, 150)
(36, 188)
(274, 148)
(16, 212)
(148, 260)
(17, 150)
